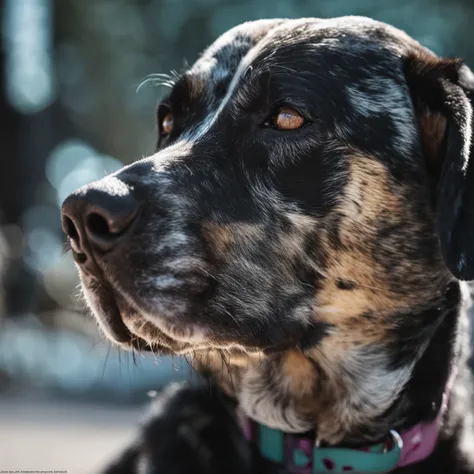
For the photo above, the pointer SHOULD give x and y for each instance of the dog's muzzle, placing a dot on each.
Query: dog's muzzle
(141, 265)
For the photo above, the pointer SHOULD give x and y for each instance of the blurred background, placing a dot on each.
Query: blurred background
(70, 113)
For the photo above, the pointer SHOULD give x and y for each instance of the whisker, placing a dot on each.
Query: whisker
(160, 79)
(106, 360)
(66, 247)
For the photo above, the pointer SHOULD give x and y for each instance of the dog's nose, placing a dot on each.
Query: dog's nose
(97, 217)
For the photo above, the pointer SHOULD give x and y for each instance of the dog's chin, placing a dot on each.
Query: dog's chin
(161, 336)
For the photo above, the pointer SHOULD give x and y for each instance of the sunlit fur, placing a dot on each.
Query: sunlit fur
(302, 269)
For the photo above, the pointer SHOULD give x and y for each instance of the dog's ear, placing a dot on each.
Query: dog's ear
(442, 92)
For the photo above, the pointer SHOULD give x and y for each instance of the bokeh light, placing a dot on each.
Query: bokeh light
(73, 164)
(27, 29)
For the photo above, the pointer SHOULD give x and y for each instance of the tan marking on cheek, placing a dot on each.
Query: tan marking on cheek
(370, 293)
(366, 196)
(345, 309)
(432, 128)
(222, 237)
(218, 237)
(299, 373)
(369, 194)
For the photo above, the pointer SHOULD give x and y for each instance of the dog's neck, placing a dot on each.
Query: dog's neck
(421, 398)
(351, 404)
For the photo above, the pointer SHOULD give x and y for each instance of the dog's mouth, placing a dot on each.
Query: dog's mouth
(175, 330)
(126, 323)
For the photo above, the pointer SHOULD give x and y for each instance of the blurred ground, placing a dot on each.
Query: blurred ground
(51, 435)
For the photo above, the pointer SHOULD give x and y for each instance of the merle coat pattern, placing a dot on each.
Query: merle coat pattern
(313, 272)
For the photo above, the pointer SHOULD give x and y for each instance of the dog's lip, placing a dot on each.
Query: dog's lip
(177, 337)
(113, 306)
(180, 339)
(111, 313)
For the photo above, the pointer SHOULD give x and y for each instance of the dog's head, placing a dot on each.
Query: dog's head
(304, 217)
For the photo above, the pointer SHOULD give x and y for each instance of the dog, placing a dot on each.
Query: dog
(304, 231)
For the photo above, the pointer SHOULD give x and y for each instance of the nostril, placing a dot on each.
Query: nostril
(98, 225)
(71, 230)
(105, 229)
(79, 258)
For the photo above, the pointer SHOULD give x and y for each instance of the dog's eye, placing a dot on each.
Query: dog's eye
(167, 124)
(286, 118)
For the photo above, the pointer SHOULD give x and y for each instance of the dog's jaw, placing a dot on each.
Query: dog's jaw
(347, 397)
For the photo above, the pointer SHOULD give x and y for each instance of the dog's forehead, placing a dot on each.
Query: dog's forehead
(220, 60)
(268, 40)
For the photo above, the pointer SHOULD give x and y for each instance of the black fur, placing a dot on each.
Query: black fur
(314, 273)
(195, 431)
(436, 86)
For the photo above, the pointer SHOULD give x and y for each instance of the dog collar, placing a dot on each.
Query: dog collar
(299, 455)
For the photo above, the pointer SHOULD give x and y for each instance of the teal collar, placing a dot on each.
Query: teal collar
(300, 456)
